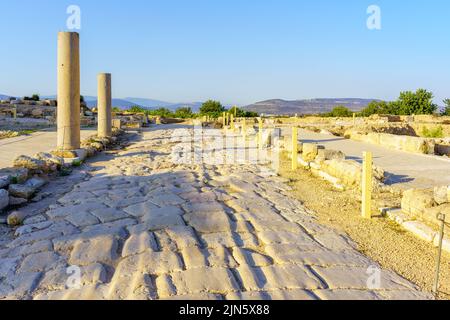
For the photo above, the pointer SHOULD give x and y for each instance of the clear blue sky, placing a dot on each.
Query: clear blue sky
(237, 51)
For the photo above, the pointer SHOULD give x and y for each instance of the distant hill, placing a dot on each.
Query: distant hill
(119, 103)
(313, 106)
(129, 102)
(149, 103)
(4, 97)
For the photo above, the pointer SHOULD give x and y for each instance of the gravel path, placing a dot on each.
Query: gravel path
(41, 141)
(143, 227)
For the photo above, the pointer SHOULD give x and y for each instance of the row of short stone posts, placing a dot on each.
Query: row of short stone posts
(367, 175)
(68, 115)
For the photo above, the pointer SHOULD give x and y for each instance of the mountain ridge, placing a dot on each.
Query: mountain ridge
(306, 106)
(269, 107)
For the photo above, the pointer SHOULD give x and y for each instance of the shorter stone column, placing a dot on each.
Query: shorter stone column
(104, 105)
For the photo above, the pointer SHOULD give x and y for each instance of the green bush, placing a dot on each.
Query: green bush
(433, 133)
(340, 112)
(137, 109)
(184, 113)
(241, 113)
(376, 107)
(446, 111)
(212, 108)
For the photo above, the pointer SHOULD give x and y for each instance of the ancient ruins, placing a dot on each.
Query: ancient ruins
(141, 207)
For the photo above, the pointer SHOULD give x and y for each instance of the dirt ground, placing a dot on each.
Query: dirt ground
(381, 239)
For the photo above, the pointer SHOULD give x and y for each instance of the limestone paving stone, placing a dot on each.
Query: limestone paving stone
(277, 295)
(109, 214)
(163, 222)
(36, 247)
(32, 228)
(346, 295)
(230, 240)
(99, 250)
(139, 243)
(154, 263)
(123, 203)
(73, 209)
(284, 237)
(193, 281)
(251, 258)
(345, 277)
(196, 297)
(19, 286)
(277, 277)
(168, 211)
(209, 222)
(183, 237)
(82, 219)
(166, 199)
(140, 209)
(115, 227)
(195, 257)
(165, 287)
(8, 266)
(75, 197)
(39, 262)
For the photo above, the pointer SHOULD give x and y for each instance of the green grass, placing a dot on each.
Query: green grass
(433, 133)
(77, 163)
(26, 132)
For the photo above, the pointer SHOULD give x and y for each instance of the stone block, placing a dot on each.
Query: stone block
(4, 199)
(21, 191)
(415, 202)
(421, 230)
(442, 194)
(327, 154)
(4, 181)
(310, 151)
(17, 175)
(29, 163)
(117, 123)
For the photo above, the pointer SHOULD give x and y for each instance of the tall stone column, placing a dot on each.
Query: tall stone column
(104, 105)
(68, 91)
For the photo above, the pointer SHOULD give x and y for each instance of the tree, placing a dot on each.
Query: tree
(34, 97)
(162, 112)
(340, 112)
(241, 113)
(136, 109)
(419, 102)
(212, 108)
(446, 111)
(184, 113)
(376, 107)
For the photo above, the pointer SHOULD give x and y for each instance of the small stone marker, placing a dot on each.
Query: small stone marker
(294, 148)
(244, 129)
(260, 133)
(367, 185)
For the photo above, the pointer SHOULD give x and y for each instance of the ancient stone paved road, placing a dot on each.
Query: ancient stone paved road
(142, 227)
